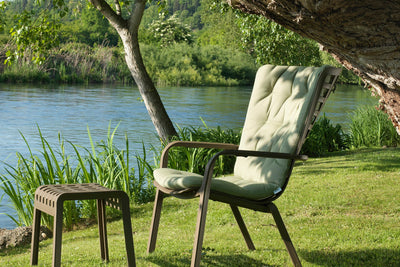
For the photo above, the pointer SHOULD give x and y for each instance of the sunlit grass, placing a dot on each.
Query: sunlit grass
(340, 210)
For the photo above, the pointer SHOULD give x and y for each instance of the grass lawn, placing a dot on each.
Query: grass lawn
(340, 210)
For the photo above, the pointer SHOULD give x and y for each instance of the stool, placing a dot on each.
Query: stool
(50, 199)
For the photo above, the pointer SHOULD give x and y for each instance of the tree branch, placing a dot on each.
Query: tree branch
(113, 17)
(136, 16)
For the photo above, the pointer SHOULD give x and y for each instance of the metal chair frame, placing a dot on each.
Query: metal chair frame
(325, 87)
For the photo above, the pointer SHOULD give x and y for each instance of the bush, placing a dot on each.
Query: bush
(325, 137)
(183, 64)
(370, 127)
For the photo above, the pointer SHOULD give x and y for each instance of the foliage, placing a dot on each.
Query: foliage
(24, 73)
(2, 8)
(195, 159)
(216, 33)
(220, 28)
(325, 137)
(371, 127)
(266, 41)
(346, 76)
(178, 64)
(72, 63)
(92, 29)
(34, 33)
(271, 43)
(169, 31)
(182, 64)
(104, 164)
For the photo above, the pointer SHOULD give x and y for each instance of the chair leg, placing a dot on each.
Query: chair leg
(199, 235)
(155, 222)
(37, 214)
(284, 234)
(101, 218)
(243, 228)
(57, 234)
(126, 217)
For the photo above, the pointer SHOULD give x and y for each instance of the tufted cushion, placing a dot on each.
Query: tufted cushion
(278, 107)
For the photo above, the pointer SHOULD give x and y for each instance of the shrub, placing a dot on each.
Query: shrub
(325, 137)
(183, 64)
(371, 127)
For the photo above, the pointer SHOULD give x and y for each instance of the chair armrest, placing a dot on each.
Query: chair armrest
(192, 144)
(264, 154)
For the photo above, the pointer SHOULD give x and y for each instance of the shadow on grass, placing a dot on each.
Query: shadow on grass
(217, 260)
(15, 250)
(369, 257)
(366, 159)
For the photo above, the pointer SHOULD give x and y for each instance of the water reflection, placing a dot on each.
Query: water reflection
(71, 109)
(345, 100)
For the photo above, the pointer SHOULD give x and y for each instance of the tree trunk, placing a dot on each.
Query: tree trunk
(363, 35)
(147, 90)
(128, 31)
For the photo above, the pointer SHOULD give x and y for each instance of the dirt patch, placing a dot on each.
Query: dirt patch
(21, 236)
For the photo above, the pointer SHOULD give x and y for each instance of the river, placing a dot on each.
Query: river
(70, 110)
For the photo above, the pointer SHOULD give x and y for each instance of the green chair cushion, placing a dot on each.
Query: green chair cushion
(280, 102)
(233, 185)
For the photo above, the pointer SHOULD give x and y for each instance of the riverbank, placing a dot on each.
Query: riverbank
(178, 65)
(57, 110)
(340, 210)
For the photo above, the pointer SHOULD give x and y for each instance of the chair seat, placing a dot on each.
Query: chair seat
(232, 185)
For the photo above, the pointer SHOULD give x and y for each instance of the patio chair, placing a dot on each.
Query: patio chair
(283, 106)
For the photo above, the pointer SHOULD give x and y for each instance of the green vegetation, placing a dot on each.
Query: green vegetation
(109, 166)
(103, 164)
(194, 42)
(325, 137)
(176, 65)
(195, 159)
(371, 127)
(340, 210)
(183, 64)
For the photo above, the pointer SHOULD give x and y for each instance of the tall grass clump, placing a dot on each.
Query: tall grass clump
(325, 137)
(103, 164)
(195, 159)
(371, 127)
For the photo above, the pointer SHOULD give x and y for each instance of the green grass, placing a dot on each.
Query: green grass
(340, 210)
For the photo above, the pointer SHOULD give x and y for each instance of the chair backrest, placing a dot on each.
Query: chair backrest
(281, 108)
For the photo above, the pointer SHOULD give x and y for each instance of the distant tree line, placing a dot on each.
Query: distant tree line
(187, 42)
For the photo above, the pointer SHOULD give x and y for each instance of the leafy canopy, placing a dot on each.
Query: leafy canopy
(37, 30)
(267, 41)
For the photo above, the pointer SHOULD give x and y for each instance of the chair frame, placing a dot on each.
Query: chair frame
(324, 88)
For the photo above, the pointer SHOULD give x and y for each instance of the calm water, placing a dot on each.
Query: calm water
(69, 110)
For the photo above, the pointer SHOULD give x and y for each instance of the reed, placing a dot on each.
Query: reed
(370, 127)
(195, 159)
(104, 164)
